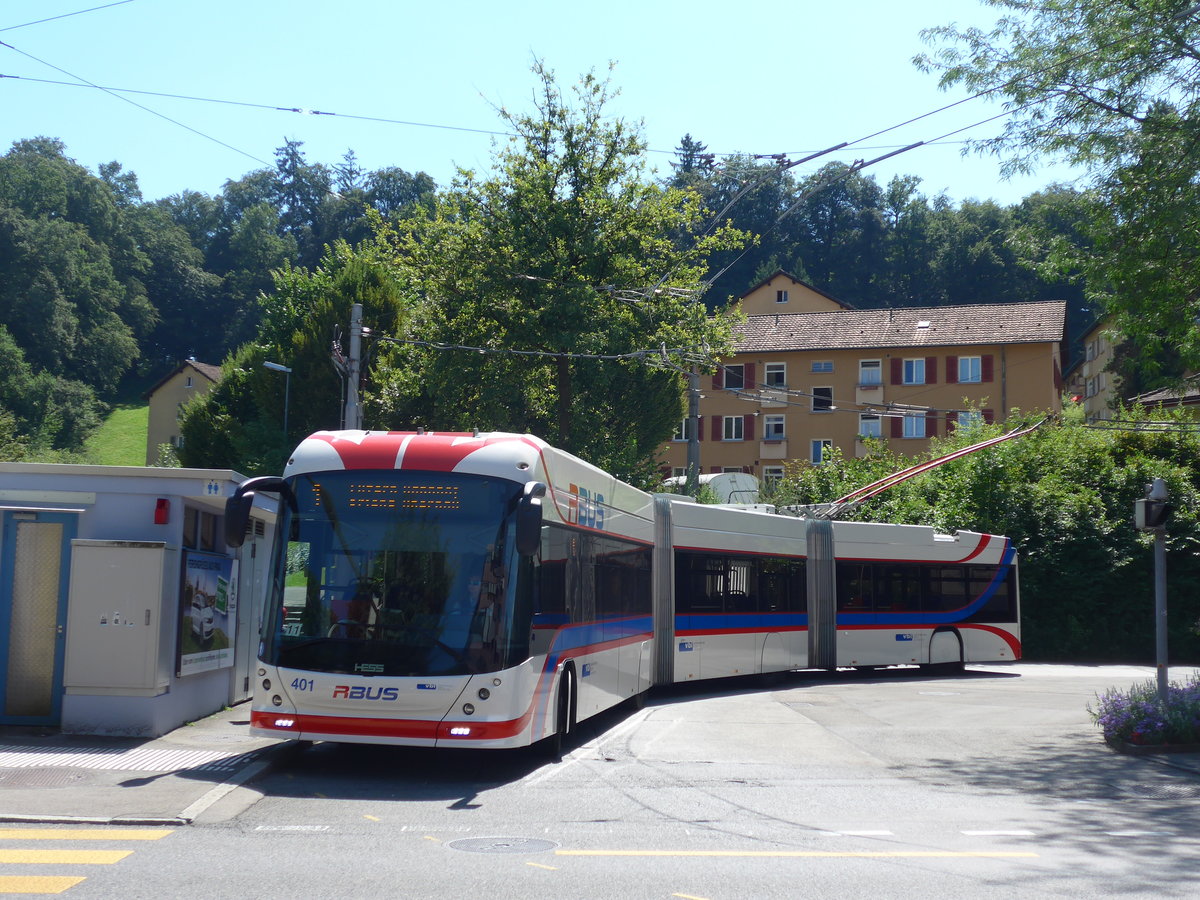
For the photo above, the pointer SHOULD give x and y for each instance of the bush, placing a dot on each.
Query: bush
(1134, 716)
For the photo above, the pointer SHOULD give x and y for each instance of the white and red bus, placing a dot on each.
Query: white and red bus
(488, 590)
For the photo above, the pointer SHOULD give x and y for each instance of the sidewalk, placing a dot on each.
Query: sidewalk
(171, 780)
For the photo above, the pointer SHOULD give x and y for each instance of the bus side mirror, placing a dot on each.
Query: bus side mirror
(237, 507)
(529, 519)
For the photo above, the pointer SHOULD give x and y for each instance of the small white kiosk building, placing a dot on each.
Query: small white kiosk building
(122, 611)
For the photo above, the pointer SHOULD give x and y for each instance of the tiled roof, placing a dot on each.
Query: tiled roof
(927, 326)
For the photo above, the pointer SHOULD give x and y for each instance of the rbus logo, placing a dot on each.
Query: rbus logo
(585, 508)
(362, 692)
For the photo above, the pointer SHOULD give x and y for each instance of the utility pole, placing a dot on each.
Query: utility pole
(693, 447)
(353, 408)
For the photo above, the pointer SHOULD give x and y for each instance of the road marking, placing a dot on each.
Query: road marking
(997, 833)
(540, 866)
(37, 884)
(867, 833)
(84, 834)
(689, 897)
(809, 854)
(72, 857)
(138, 759)
(372, 818)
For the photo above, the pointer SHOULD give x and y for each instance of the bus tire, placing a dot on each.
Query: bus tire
(564, 718)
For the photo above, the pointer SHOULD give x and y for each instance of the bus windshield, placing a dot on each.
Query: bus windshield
(399, 573)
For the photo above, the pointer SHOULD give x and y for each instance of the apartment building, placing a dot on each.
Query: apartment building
(1088, 381)
(810, 373)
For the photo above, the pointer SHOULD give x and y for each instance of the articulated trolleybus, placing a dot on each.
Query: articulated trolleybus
(488, 590)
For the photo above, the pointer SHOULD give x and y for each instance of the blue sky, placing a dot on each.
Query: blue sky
(757, 78)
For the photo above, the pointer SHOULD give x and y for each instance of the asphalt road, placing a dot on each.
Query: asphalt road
(873, 785)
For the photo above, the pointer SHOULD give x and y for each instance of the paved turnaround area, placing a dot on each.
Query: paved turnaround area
(172, 780)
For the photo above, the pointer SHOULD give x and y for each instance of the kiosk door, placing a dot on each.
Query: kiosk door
(35, 556)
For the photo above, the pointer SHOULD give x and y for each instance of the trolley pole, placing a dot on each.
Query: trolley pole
(353, 409)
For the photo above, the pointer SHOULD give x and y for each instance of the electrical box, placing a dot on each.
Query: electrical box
(120, 617)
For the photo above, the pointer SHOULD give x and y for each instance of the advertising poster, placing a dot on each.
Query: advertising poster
(208, 604)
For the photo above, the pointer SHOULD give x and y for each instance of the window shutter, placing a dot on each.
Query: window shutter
(951, 370)
(748, 426)
(951, 419)
(699, 428)
(718, 379)
(989, 416)
(897, 426)
(986, 368)
(931, 418)
(748, 369)
(931, 370)
(716, 470)
(718, 432)
(897, 371)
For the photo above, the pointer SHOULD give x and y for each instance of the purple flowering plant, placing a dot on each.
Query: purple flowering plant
(1134, 715)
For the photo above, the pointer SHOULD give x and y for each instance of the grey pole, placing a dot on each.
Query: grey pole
(693, 447)
(1158, 491)
(353, 409)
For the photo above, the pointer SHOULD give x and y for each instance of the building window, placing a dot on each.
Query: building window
(735, 378)
(679, 471)
(914, 371)
(970, 369)
(188, 383)
(819, 449)
(870, 426)
(732, 428)
(870, 372)
(969, 419)
(781, 296)
(822, 366)
(775, 375)
(772, 474)
(914, 426)
(773, 428)
(684, 430)
(822, 399)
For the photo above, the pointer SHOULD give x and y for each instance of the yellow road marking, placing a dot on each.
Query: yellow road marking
(74, 857)
(37, 884)
(689, 897)
(373, 818)
(807, 854)
(430, 837)
(540, 866)
(83, 834)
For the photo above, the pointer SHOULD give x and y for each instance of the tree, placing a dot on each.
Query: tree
(238, 424)
(1109, 87)
(566, 251)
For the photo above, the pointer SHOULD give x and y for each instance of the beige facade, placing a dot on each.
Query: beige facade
(168, 398)
(824, 376)
(1089, 383)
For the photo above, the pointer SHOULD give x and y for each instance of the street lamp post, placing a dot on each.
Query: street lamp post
(287, 388)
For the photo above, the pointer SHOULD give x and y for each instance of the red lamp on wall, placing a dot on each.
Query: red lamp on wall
(162, 511)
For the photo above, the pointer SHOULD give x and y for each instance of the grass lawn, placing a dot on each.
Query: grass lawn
(121, 440)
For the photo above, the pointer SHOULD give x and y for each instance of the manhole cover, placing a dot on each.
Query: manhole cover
(502, 845)
(39, 778)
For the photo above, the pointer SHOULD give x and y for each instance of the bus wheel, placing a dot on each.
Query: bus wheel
(562, 716)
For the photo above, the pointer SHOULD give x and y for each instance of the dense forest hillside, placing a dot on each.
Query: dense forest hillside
(98, 285)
